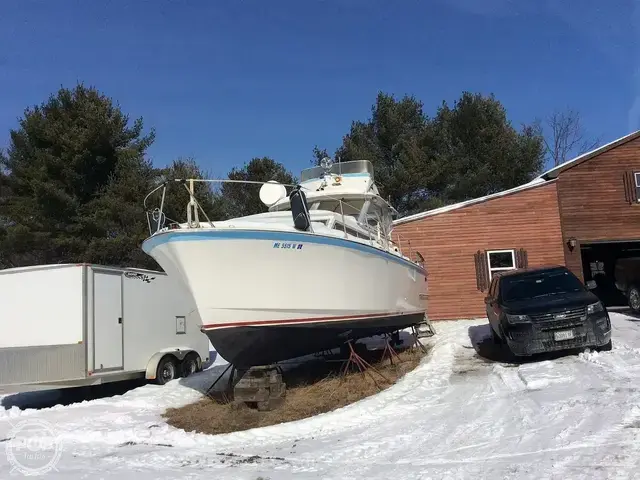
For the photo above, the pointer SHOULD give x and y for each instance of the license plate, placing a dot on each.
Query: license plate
(563, 335)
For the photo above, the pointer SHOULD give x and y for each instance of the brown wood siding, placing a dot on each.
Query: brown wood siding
(528, 219)
(598, 202)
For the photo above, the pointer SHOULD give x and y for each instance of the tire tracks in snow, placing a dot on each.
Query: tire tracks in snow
(518, 385)
(619, 370)
(609, 375)
(511, 389)
(491, 389)
(455, 416)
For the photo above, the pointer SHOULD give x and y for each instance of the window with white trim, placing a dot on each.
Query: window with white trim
(636, 177)
(500, 261)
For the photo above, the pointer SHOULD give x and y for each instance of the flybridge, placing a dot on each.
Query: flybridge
(344, 188)
(343, 169)
(342, 179)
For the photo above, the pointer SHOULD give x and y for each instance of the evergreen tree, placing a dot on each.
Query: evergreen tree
(465, 151)
(479, 151)
(67, 153)
(392, 139)
(243, 199)
(177, 195)
(113, 224)
(318, 154)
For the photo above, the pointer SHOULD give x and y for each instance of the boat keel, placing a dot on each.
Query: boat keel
(248, 346)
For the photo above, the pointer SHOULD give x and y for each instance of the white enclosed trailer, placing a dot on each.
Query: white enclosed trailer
(73, 325)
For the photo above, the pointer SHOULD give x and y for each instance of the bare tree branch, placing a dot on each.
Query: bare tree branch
(567, 137)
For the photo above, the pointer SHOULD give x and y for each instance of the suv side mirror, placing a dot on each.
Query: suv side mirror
(591, 284)
(487, 299)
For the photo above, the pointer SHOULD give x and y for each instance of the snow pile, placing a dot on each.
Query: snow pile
(458, 415)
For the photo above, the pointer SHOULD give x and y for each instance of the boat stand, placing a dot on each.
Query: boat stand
(362, 365)
(261, 387)
(388, 349)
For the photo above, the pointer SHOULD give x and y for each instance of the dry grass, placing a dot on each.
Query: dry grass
(312, 388)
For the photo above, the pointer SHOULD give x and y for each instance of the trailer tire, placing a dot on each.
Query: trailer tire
(167, 370)
(633, 295)
(190, 365)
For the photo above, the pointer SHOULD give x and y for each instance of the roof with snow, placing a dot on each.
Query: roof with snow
(543, 178)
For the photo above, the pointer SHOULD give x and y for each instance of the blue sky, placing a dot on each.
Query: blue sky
(224, 81)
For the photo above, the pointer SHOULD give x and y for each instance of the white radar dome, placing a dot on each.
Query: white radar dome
(271, 192)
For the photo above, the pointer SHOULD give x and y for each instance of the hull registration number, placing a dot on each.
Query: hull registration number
(563, 335)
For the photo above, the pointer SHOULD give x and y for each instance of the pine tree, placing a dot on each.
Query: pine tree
(465, 151)
(243, 199)
(65, 156)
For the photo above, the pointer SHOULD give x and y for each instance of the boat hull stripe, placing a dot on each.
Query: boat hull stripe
(308, 320)
(239, 234)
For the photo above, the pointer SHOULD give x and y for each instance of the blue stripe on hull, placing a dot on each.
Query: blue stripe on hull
(239, 234)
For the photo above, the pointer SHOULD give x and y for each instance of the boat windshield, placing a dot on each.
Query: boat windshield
(340, 168)
(349, 207)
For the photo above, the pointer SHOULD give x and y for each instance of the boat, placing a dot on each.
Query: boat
(318, 269)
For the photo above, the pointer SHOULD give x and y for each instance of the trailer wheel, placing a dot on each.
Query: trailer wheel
(634, 299)
(167, 370)
(191, 364)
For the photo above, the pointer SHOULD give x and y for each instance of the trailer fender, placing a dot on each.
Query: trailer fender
(152, 365)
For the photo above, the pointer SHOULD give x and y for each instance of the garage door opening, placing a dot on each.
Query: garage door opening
(598, 264)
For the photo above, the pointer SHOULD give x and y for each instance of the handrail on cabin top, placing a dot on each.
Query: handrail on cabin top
(193, 205)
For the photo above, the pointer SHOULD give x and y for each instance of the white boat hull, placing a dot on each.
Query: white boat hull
(255, 287)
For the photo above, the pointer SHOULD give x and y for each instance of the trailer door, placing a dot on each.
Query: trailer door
(107, 315)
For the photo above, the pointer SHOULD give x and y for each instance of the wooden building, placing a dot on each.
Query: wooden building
(584, 213)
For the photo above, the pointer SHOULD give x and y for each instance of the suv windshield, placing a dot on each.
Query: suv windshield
(540, 284)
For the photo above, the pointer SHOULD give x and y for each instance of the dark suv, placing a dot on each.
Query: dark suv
(535, 310)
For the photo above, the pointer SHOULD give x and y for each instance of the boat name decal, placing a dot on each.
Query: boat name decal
(290, 246)
(139, 276)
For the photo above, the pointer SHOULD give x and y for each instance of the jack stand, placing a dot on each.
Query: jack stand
(362, 365)
(388, 349)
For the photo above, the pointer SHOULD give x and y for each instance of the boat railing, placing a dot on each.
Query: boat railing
(156, 218)
(338, 168)
(399, 242)
(365, 227)
(344, 222)
(372, 236)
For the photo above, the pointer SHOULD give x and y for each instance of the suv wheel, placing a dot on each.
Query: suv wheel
(495, 337)
(634, 299)
(606, 347)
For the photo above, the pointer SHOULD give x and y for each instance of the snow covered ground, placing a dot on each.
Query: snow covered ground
(458, 415)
